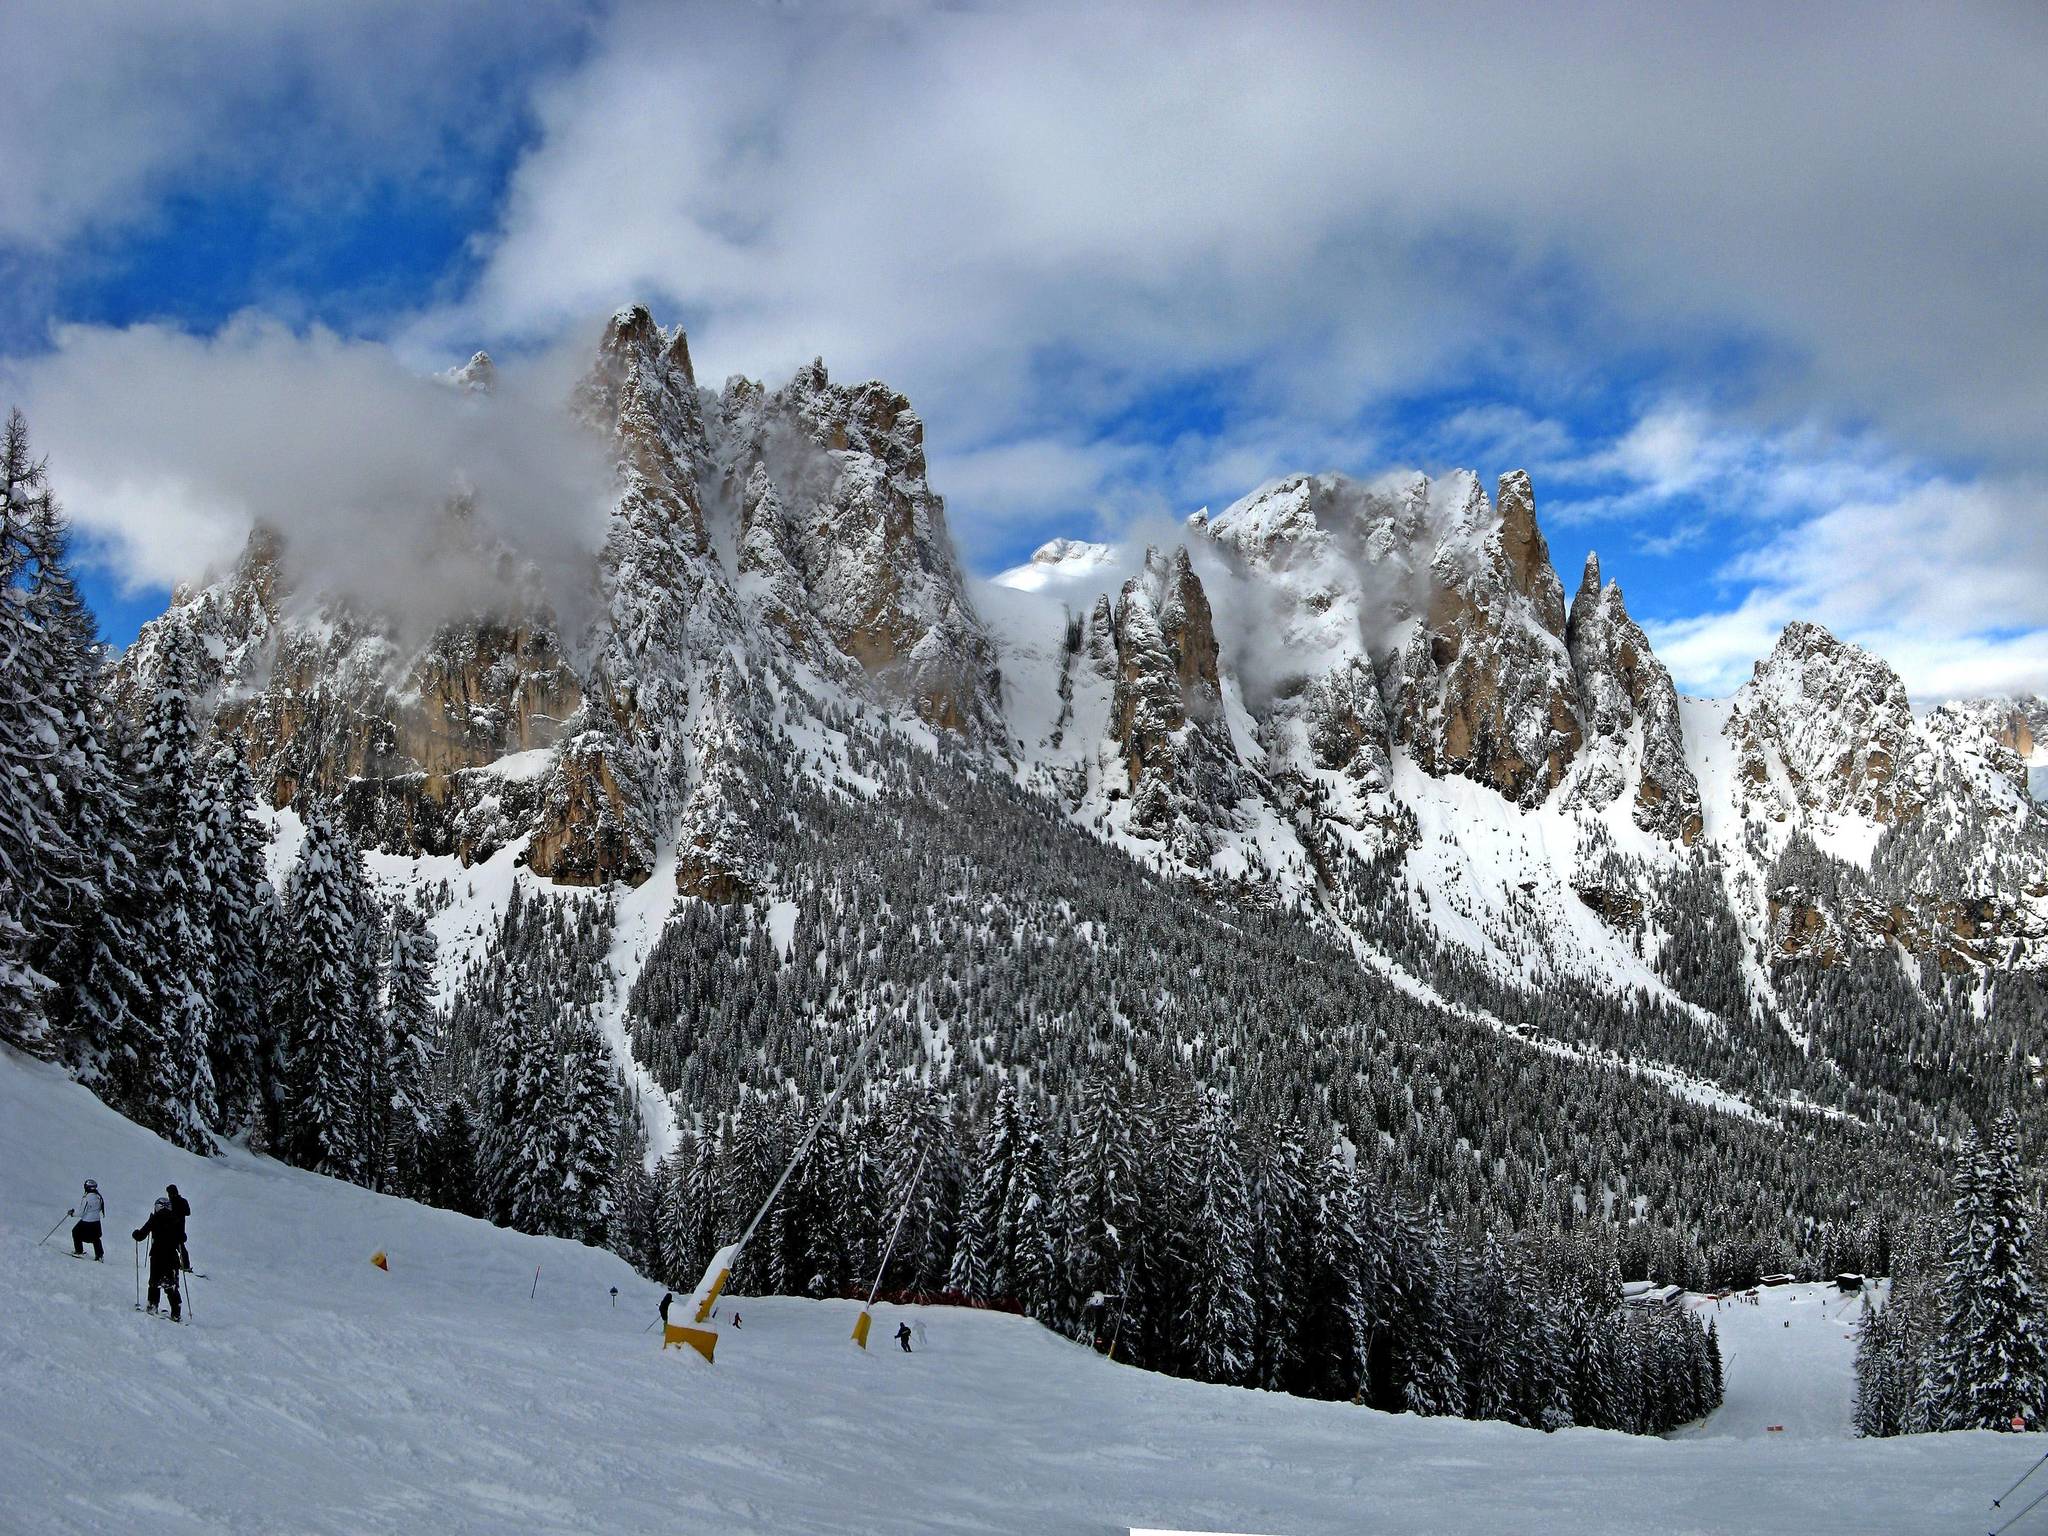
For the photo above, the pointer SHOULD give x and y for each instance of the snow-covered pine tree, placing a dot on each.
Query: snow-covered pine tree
(41, 868)
(981, 1263)
(328, 1040)
(917, 1139)
(1992, 1367)
(1100, 1204)
(174, 1093)
(447, 1174)
(585, 1118)
(1281, 1221)
(243, 919)
(409, 1042)
(519, 1141)
(1425, 1316)
(1217, 1314)
(90, 950)
(1334, 1313)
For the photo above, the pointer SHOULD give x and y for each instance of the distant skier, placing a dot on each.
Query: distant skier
(735, 1321)
(162, 1230)
(666, 1298)
(903, 1336)
(181, 1209)
(92, 1210)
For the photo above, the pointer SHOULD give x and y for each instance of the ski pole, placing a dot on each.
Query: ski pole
(53, 1231)
(536, 1284)
(2022, 1478)
(2016, 1519)
(186, 1292)
(138, 1277)
(650, 1327)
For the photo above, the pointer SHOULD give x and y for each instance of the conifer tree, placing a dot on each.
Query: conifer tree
(1993, 1364)
(1217, 1315)
(243, 918)
(329, 1041)
(41, 866)
(174, 1093)
(409, 1045)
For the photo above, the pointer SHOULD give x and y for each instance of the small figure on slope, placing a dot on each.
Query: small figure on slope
(667, 1297)
(903, 1336)
(92, 1210)
(182, 1210)
(161, 1229)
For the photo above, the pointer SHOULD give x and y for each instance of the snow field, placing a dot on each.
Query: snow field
(318, 1394)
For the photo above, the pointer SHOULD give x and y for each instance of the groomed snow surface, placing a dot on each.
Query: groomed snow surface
(318, 1394)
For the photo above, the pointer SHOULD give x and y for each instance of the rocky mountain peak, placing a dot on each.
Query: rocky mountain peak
(1484, 686)
(1524, 552)
(1166, 714)
(1824, 726)
(1634, 737)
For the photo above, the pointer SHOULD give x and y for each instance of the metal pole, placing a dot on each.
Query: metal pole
(60, 1222)
(2023, 1477)
(889, 1252)
(2016, 1519)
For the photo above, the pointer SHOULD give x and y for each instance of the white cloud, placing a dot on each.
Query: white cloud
(1326, 201)
(1941, 578)
(165, 447)
(110, 105)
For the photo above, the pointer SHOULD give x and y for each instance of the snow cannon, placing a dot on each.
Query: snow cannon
(380, 1261)
(702, 1340)
(716, 1273)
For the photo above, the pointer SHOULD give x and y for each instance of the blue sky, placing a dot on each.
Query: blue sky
(1773, 355)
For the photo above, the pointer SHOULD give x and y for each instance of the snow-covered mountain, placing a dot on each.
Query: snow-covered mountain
(1365, 703)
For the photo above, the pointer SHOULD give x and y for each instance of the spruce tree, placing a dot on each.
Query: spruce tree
(1993, 1366)
(244, 919)
(42, 870)
(328, 1040)
(174, 1092)
(409, 1044)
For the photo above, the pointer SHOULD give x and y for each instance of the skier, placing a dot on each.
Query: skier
(181, 1209)
(162, 1231)
(735, 1321)
(903, 1336)
(91, 1211)
(666, 1298)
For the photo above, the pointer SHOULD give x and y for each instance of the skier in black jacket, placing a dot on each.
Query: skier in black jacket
(183, 1211)
(163, 1229)
(903, 1336)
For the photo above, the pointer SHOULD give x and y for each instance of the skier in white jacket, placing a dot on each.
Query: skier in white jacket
(92, 1211)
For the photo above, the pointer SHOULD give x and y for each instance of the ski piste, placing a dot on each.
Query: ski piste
(423, 1378)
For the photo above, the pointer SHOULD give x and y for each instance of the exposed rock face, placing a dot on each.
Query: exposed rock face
(667, 611)
(853, 523)
(1166, 716)
(1347, 724)
(405, 736)
(1484, 686)
(1633, 734)
(1824, 727)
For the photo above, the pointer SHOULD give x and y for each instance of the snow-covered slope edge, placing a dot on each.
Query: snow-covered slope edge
(318, 1394)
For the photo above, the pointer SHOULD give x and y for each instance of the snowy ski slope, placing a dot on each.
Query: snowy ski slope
(317, 1394)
